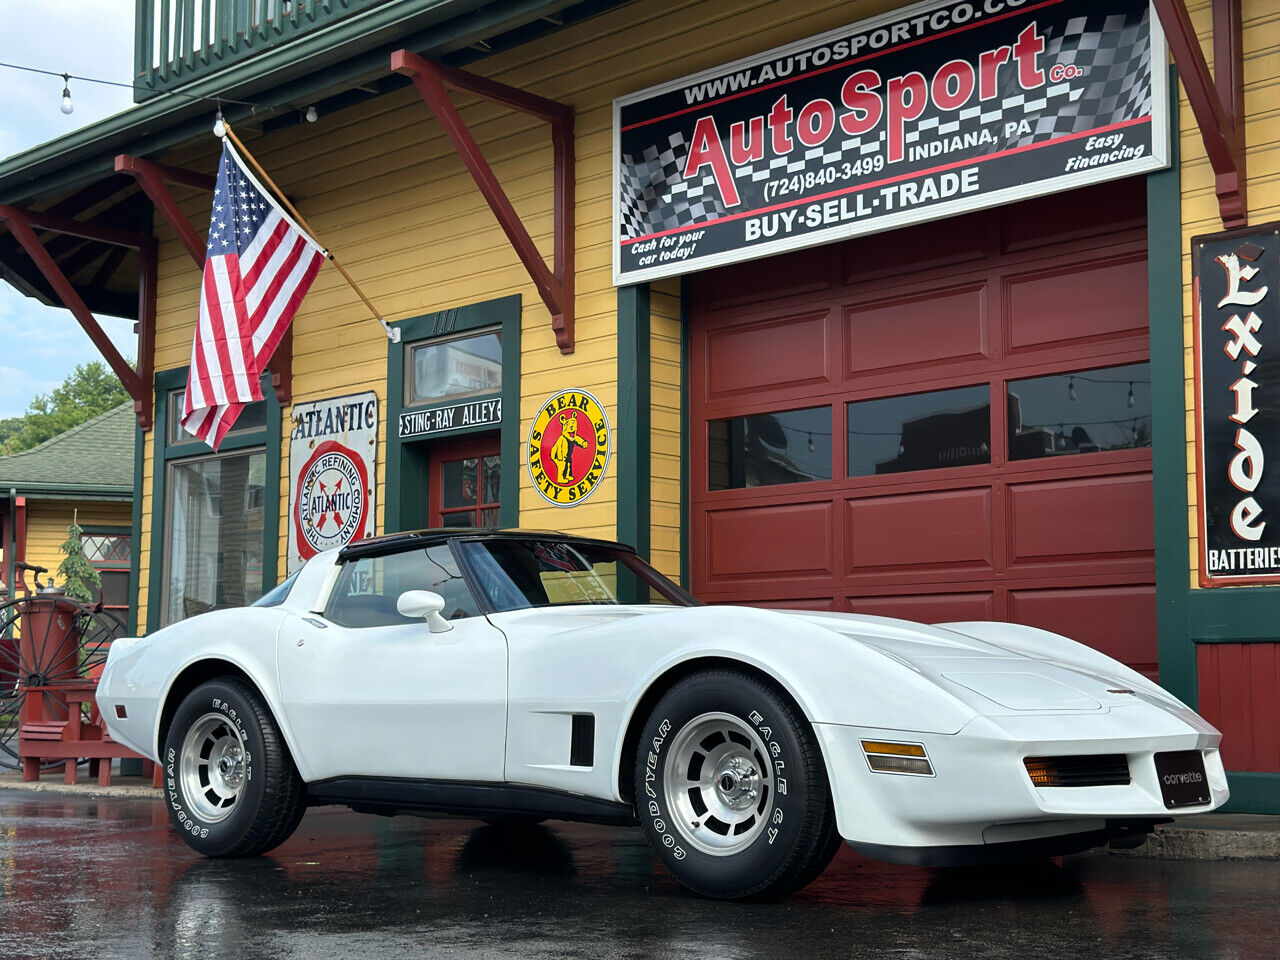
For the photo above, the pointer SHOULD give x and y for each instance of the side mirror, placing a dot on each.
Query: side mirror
(425, 604)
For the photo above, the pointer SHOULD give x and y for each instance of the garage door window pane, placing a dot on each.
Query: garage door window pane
(923, 431)
(792, 446)
(1089, 411)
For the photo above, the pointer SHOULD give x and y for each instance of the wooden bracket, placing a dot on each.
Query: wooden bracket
(1217, 97)
(23, 224)
(556, 286)
(154, 179)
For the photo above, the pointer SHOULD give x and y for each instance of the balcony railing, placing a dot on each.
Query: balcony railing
(177, 41)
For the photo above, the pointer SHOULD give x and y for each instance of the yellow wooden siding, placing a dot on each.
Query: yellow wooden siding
(382, 186)
(665, 426)
(1261, 43)
(47, 522)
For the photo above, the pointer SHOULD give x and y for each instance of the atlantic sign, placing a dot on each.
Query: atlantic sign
(931, 110)
(1236, 281)
(333, 447)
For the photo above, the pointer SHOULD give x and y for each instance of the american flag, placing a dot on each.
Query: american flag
(258, 266)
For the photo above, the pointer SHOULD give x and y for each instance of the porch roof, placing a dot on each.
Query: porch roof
(93, 460)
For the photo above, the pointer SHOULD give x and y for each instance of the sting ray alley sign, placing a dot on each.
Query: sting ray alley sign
(1236, 281)
(332, 474)
(922, 113)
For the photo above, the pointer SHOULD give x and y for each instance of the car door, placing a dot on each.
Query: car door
(369, 693)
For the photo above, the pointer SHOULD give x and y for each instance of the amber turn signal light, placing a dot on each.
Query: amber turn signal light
(1043, 771)
(887, 757)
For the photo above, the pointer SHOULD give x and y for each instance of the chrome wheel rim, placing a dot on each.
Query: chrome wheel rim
(212, 767)
(718, 784)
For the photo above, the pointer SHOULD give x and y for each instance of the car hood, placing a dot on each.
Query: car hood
(988, 678)
(981, 673)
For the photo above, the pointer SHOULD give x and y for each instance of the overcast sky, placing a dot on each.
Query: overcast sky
(40, 345)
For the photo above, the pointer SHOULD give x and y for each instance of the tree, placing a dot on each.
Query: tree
(79, 578)
(89, 390)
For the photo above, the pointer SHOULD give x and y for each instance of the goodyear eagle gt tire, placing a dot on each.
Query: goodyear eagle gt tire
(229, 782)
(731, 789)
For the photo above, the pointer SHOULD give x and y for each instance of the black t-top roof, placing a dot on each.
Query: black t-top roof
(419, 539)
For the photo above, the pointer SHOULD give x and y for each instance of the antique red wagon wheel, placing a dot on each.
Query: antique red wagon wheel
(48, 643)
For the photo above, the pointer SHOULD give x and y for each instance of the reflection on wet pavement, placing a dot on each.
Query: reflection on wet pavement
(109, 878)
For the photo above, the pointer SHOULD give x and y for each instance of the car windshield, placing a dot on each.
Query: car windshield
(515, 574)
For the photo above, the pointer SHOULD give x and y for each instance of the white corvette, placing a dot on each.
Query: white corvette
(519, 675)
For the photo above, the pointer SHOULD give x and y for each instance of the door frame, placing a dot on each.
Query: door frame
(478, 446)
(408, 460)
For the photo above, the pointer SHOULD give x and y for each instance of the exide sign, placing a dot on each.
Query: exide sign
(1236, 280)
(934, 109)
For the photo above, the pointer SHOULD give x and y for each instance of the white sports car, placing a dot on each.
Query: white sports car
(523, 675)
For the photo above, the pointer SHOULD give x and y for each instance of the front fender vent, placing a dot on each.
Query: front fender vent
(1095, 770)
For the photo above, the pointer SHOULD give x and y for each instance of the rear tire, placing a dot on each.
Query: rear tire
(229, 782)
(731, 789)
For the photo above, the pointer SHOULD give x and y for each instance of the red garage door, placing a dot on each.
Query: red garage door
(948, 422)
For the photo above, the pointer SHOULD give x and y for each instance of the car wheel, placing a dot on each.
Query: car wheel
(231, 787)
(731, 789)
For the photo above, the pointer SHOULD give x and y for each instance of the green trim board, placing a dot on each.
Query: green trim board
(1253, 793)
(1168, 418)
(135, 559)
(268, 437)
(405, 503)
(686, 352)
(633, 433)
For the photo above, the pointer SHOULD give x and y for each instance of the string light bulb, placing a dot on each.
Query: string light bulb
(219, 128)
(1071, 387)
(811, 443)
(67, 105)
(1131, 399)
(311, 114)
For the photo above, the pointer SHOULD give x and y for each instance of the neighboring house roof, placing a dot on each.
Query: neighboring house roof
(93, 460)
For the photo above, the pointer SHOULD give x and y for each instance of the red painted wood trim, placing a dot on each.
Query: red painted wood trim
(152, 179)
(143, 406)
(19, 544)
(21, 225)
(1217, 115)
(1239, 687)
(74, 228)
(480, 447)
(556, 289)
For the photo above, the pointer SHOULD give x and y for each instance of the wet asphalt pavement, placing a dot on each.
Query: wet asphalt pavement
(84, 878)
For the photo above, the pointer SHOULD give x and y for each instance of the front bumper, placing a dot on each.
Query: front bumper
(981, 796)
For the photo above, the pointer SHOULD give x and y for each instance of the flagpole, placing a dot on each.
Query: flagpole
(393, 333)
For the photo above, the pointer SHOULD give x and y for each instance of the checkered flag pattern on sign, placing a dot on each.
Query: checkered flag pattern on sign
(655, 195)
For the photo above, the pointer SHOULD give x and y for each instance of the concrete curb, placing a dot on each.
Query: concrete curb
(87, 789)
(1213, 837)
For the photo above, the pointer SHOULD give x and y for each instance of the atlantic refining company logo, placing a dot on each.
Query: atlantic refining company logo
(569, 447)
(331, 509)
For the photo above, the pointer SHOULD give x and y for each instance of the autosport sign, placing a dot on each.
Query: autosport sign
(332, 463)
(928, 111)
(1236, 281)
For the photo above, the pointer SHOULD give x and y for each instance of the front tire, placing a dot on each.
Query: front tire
(230, 785)
(731, 789)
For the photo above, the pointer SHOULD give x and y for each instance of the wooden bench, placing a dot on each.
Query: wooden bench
(77, 738)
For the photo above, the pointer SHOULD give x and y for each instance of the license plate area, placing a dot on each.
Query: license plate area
(1183, 782)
